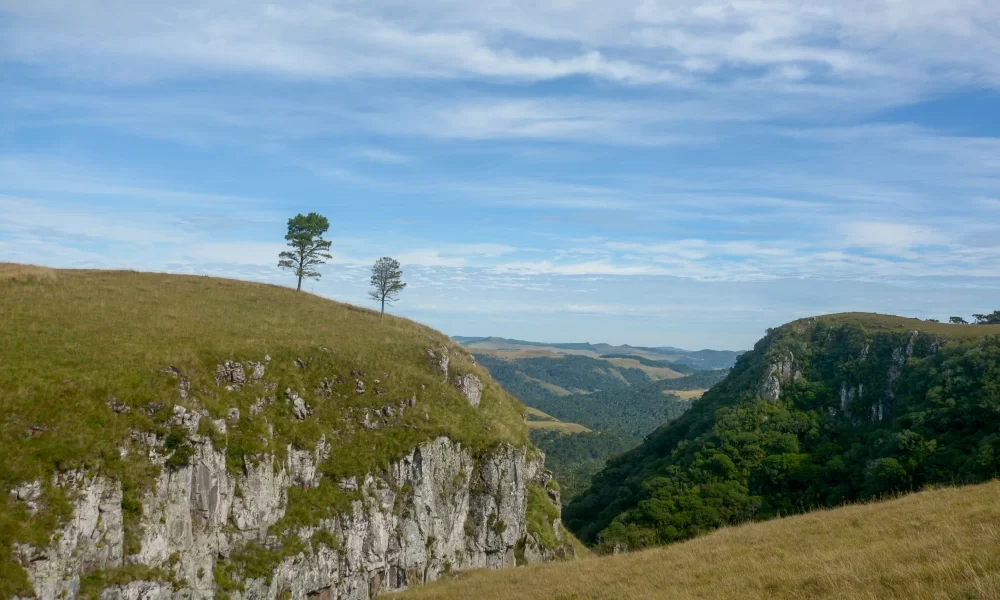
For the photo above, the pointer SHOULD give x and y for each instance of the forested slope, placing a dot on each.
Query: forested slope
(822, 411)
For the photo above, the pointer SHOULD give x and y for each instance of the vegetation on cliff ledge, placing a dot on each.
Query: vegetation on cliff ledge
(89, 358)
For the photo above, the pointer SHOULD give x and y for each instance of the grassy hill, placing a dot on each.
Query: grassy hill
(822, 411)
(942, 543)
(88, 358)
(681, 361)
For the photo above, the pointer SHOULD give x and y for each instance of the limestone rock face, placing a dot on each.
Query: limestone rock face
(440, 508)
(471, 388)
(780, 371)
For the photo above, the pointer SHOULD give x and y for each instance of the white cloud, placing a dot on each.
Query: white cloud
(897, 237)
(646, 41)
(383, 156)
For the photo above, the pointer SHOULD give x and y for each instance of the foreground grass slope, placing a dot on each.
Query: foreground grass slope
(88, 357)
(942, 543)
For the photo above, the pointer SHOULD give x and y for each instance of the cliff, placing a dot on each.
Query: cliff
(185, 438)
(823, 411)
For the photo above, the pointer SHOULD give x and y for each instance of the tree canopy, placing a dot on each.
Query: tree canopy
(308, 248)
(386, 282)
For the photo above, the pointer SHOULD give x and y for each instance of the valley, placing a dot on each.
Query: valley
(598, 400)
(211, 438)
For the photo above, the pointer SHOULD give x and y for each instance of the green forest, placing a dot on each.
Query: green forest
(619, 416)
(862, 411)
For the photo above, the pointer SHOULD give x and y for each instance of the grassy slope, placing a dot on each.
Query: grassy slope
(943, 543)
(875, 322)
(72, 339)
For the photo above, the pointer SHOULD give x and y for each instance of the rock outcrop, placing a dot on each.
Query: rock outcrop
(438, 509)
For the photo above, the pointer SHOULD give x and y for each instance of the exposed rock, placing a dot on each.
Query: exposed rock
(256, 370)
(437, 509)
(232, 374)
(140, 590)
(779, 372)
(183, 385)
(440, 360)
(233, 415)
(184, 418)
(30, 493)
(471, 388)
(360, 387)
(300, 409)
(117, 406)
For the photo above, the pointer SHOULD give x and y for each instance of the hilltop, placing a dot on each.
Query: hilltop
(943, 543)
(224, 438)
(821, 412)
(685, 361)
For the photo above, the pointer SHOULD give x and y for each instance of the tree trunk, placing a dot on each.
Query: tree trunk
(382, 314)
(299, 288)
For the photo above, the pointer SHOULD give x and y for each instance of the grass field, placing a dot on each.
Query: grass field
(942, 543)
(685, 394)
(655, 373)
(540, 420)
(558, 426)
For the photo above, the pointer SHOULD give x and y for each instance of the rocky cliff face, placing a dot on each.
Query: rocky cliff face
(823, 411)
(208, 530)
(438, 509)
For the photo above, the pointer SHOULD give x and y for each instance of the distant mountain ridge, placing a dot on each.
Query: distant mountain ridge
(705, 359)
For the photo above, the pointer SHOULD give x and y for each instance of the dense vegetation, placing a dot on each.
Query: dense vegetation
(866, 408)
(89, 356)
(675, 366)
(634, 411)
(568, 372)
(620, 416)
(574, 458)
(942, 543)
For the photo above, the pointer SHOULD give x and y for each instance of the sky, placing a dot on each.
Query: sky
(649, 172)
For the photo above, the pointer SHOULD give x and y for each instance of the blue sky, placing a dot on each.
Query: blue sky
(650, 172)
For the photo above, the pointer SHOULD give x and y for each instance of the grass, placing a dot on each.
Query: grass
(559, 426)
(77, 341)
(10, 272)
(685, 394)
(540, 420)
(655, 373)
(942, 543)
(891, 323)
(550, 387)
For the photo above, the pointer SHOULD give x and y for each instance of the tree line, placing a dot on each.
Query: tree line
(992, 318)
(308, 250)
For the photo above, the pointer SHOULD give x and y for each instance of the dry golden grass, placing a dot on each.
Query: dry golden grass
(655, 373)
(942, 543)
(25, 273)
(558, 426)
(544, 416)
(685, 394)
(551, 387)
(547, 421)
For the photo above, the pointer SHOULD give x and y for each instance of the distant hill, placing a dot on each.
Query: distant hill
(697, 359)
(821, 412)
(621, 397)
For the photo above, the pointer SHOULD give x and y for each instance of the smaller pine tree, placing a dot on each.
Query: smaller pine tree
(387, 282)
